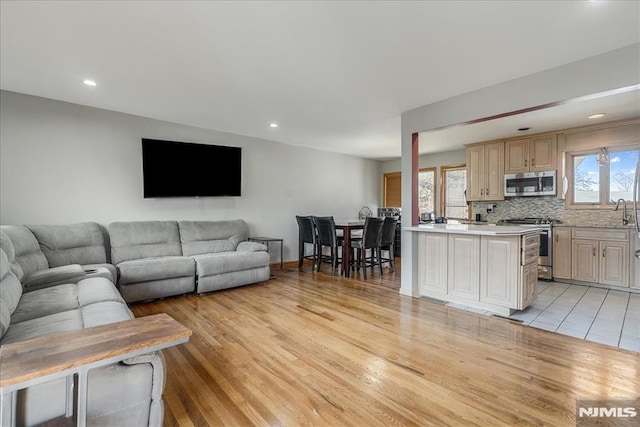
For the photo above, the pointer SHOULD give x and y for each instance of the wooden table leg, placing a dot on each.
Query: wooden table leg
(346, 251)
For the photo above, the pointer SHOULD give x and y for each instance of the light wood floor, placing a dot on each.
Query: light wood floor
(316, 349)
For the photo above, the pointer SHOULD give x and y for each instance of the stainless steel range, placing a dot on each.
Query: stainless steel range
(545, 258)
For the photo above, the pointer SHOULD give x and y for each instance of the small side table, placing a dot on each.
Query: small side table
(266, 241)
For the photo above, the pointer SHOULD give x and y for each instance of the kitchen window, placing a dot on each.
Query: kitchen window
(426, 190)
(600, 177)
(453, 203)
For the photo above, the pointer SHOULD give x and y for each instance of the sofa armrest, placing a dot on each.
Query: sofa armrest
(72, 273)
(250, 247)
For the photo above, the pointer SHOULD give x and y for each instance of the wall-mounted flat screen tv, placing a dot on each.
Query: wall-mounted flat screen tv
(182, 169)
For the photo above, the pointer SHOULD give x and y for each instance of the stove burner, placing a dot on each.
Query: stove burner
(535, 221)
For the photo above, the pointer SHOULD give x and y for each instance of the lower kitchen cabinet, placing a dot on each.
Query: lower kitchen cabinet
(464, 268)
(614, 267)
(585, 260)
(499, 267)
(562, 252)
(494, 273)
(601, 256)
(432, 268)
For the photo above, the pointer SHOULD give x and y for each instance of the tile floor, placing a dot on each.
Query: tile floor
(601, 315)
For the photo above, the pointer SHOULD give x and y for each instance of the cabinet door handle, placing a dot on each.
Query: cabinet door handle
(525, 163)
(486, 191)
(594, 251)
(533, 162)
(556, 238)
(603, 251)
(481, 190)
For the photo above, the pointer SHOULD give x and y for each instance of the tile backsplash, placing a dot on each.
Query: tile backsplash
(548, 207)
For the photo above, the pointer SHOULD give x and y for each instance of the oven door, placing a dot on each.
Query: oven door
(545, 260)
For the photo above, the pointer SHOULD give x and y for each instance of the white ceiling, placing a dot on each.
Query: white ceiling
(333, 75)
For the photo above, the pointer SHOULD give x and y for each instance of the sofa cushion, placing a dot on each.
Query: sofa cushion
(52, 276)
(143, 270)
(56, 299)
(28, 256)
(143, 239)
(10, 292)
(64, 321)
(71, 244)
(212, 264)
(202, 237)
(45, 302)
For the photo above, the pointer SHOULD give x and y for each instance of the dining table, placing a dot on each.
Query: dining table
(347, 226)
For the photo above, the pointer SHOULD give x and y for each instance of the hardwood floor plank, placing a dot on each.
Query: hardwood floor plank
(309, 348)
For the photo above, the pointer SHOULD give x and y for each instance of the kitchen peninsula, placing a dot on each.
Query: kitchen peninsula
(489, 267)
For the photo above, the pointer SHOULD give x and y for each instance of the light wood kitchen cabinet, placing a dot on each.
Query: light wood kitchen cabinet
(614, 267)
(634, 280)
(530, 154)
(432, 269)
(499, 254)
(585, 260)
(601, 256)
(464, 266)
(562, 252)
(485, 171)
(498, 273)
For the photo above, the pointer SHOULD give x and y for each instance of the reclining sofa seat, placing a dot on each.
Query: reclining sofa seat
(127, 393)
(70, 254)
(223, 257)
(149, 261)
(75, 244)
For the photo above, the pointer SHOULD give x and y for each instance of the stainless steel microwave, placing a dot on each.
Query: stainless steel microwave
(530, 184)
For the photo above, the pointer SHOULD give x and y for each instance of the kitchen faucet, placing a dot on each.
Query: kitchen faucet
(625, 220)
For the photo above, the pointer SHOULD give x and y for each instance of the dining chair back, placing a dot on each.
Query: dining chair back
(387, 241)
(371, 239)
(327, 237)
(306, 235)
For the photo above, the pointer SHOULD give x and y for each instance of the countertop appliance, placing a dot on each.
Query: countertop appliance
(530, 184)
(545, 258)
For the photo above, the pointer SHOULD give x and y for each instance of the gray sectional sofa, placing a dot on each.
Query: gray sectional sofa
(157, 259)
(57, 279)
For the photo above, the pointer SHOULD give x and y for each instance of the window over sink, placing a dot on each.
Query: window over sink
(599, 177)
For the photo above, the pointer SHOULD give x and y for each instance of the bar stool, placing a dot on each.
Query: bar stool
(326, 227)
(371, 238)
(306, 235)
(387, 242)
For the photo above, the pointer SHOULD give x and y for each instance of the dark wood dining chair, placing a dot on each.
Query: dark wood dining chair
(327, 237)
(371, 239)
(387, 242)
(306, 236)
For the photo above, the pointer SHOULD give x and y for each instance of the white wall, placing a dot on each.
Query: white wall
(434, 160)
(62, 163)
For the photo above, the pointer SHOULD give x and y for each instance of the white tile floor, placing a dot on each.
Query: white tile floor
(600, 315)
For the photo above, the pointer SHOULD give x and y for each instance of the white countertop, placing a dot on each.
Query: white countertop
(489, 230)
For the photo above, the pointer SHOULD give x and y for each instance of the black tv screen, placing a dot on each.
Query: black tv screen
(182, 169)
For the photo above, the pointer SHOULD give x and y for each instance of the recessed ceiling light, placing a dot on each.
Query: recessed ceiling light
(596, 116)
(89, 82)
(523, 129)
(273, 125)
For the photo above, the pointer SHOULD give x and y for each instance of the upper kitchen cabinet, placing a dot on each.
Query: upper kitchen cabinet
(533, 154)
(485, 171)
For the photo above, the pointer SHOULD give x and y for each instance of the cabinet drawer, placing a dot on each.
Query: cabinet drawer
(530, 255)
(601, 234)
(530, 241)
